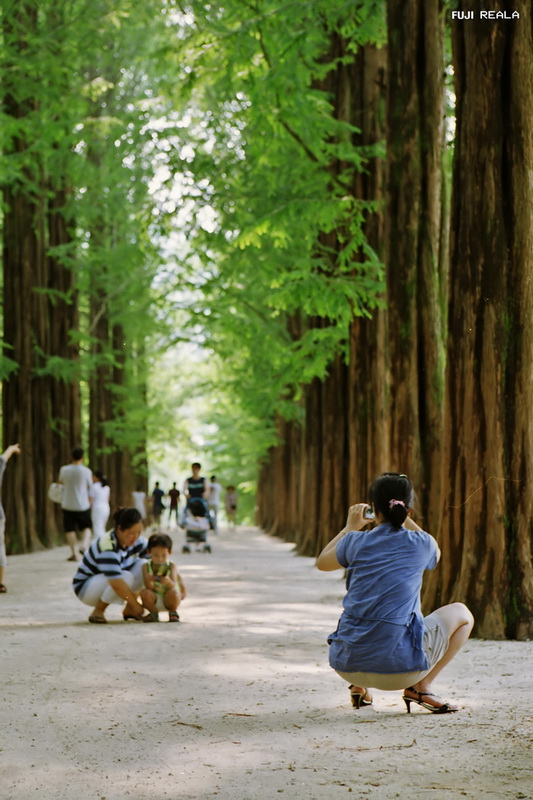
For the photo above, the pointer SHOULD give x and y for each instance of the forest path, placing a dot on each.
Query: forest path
(237, 702)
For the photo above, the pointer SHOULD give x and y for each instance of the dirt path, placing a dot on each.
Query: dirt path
(237, 702)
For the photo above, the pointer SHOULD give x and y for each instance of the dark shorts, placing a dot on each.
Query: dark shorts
(76, 520)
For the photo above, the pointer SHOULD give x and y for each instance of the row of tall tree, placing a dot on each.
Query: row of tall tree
(136, 180)
(79, 304)
(438, 384)
(332, 200)
(284, 265)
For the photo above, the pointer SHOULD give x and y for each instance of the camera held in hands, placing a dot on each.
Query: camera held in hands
(369, 513)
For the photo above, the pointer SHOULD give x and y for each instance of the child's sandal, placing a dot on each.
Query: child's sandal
(173, 616)
(152, 616)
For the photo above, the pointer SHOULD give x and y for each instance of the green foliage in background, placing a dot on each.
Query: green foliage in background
(208, 183)
(276, 261)
(86, 75)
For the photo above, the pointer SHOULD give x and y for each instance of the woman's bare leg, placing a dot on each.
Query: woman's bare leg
(459, 622)
(99, 609)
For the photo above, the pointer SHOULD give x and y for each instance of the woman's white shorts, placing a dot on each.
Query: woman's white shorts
(97, 588)
(435, 643)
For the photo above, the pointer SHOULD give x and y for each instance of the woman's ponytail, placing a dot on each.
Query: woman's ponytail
(101, 477)
(392, 495)
(397, 513)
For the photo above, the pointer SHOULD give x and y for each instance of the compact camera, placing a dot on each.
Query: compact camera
(369, 513)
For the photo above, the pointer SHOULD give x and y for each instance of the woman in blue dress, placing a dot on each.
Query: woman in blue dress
(382, 640)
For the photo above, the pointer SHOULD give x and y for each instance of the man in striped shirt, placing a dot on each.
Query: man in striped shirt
(111, 568)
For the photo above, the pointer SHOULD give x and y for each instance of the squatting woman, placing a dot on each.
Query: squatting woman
(382, 640)
(111, 568)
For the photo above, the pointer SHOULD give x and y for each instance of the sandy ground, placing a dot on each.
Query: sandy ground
(237, 701)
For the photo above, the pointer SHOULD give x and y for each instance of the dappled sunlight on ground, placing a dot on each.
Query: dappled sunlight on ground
(237, 702)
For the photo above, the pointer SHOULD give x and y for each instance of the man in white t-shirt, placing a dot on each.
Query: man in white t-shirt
(77, 483)
(213, 500)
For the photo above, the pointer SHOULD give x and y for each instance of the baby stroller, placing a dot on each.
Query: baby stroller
(196, 522)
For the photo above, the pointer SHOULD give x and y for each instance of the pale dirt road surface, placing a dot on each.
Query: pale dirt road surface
(237, 702)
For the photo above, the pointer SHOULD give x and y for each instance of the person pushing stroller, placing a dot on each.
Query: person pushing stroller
(196, 488)
(196, 523)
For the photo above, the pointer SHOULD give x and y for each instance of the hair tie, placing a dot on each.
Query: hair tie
(393, 503)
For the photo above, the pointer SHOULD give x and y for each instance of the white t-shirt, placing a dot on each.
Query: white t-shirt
(77, 483)
(139, 502)
(99, 494)
(214, 493)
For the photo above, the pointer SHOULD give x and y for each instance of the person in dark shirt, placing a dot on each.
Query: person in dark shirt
(157, 503)
(174, 495)
(196, 487)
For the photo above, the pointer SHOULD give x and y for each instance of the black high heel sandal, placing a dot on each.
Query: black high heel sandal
(445, 708)
(358, 698)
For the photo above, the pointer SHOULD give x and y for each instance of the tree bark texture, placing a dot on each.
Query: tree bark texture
(328, 458)
(40, 411)
(415, 272)
(111, 380)
(384, 410)
(367, 380)
(39, 308)
(488, 505)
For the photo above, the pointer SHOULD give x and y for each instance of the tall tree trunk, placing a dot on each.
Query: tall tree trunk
(113, 377)
(100, 399)
(488, 503)
(139, 456)
(56, 408)
(415, 136)
(126, 475)
(21, 251)
(39, 312)
(343, 437)
(64, 313)
(368, 384)
(40, 410)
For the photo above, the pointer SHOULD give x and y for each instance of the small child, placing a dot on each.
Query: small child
(164, 588)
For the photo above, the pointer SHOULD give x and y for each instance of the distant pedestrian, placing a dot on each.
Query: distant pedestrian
(111, 569)
(157, 503)
(174, 495)
(213, 499)
(100, 509)
(196, 488)
(231, 505)
(4, 458)
(139, 501)
(77, 483)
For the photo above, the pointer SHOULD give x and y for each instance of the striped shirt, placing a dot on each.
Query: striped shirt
(106, 557)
